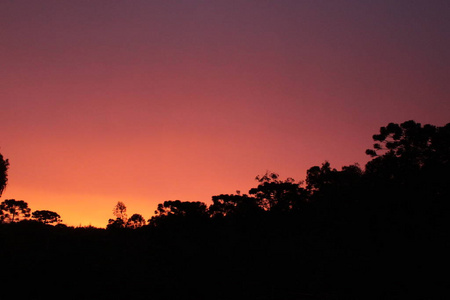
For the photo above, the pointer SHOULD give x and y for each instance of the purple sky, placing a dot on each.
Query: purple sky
(147, 101)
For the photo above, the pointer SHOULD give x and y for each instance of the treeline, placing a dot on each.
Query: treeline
(409, 176)
(382, 232)
(12, 210)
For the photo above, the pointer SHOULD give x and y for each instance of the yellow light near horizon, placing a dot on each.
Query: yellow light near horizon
(78, 209)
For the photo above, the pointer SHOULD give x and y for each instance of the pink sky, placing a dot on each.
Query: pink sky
(147, 101)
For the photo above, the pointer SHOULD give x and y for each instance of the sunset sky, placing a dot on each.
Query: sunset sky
(145, 101)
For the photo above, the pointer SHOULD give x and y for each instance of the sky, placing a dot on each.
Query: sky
(147, 101)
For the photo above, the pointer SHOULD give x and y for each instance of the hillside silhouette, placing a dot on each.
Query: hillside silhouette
(378, 232)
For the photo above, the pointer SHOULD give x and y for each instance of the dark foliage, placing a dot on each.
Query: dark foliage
(121, 220)
(46, 216)
(4, 164)
(179, 214)
(381, 233)
(136, 221)
(233, 206)
(275, 195)
(14, 210)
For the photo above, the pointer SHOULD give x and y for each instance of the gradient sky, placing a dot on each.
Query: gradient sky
(146, 101)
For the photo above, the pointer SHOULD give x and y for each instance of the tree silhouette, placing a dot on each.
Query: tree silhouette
(46, 216)
(410, 140)
(136, 221)
(322, 179)
(341, 234)
(332, 195)
(318, 178)
(176, 211)
(277, 195)
(181, 208)
(120, 212)
(14, 210)
(226, 205)
(115, 224)
(409, 150)
(409, 175)
(412, 156)
(4, 164)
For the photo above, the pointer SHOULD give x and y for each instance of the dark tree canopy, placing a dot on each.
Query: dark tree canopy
(411, 145)
(338, 235)
(4, 164)
(46, 216)
(14, 210)
(318, 178)
(120, 212)
(179, 211)
(276, 195)
(115, 224)
(413, 156)
(136, 221)
(226, 205)
(324, 177)
(181, 208)
(412, 140)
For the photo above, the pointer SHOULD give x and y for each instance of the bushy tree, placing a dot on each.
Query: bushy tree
(136, 221)
(179, 211)
(317, 178)
(115, 224)
(275, 195)
(181, 208)
(411, 140)
(46, 216)
(332, 194)
(408, 150)
(229, 205)
(120, 212)
(410, 170)
(14, 210)
(324, 178)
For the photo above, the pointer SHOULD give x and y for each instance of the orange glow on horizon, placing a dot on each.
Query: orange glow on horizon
(155, 101)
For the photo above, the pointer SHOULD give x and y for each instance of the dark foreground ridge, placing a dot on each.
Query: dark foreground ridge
(378, 233)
